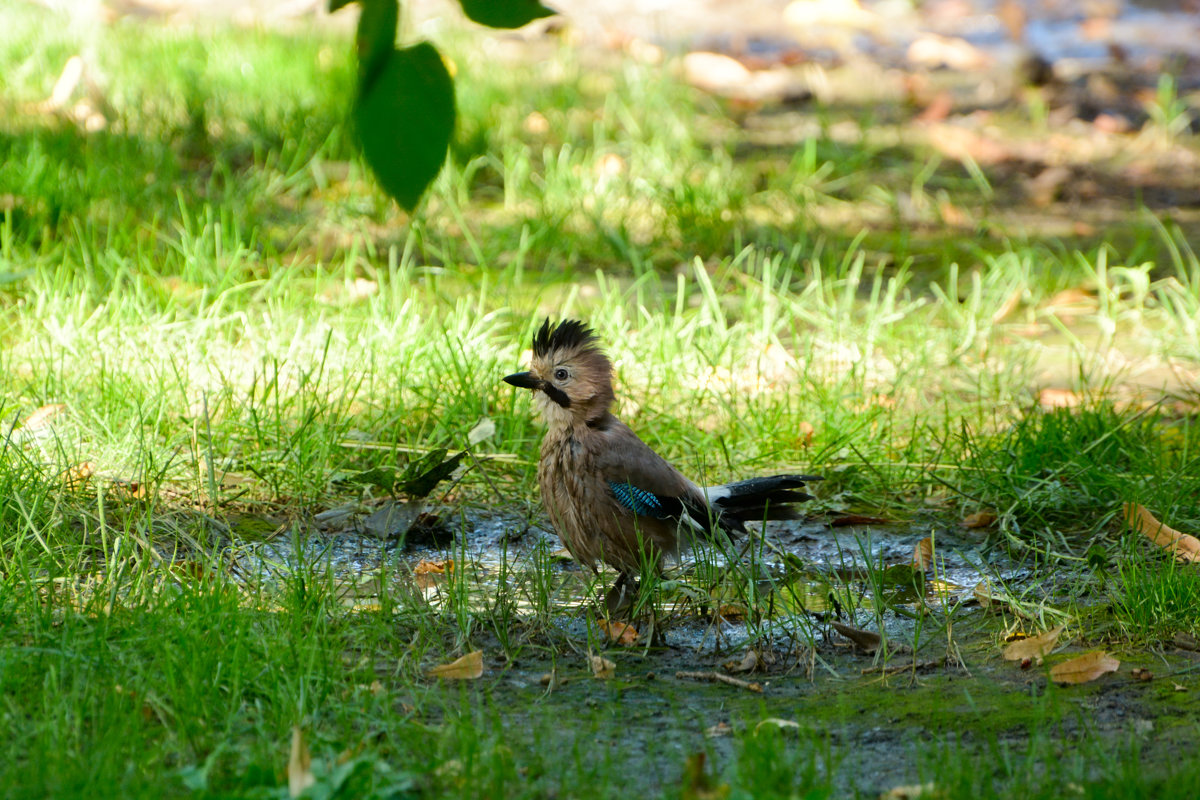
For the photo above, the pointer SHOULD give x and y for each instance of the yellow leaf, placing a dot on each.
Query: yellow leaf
(914, 792)
(602, 668)
(1086, 667)
(1059, 398)
(300, 775)
(923, 554)
(986, 596)
(620, 633)
(1009, 305)
(1034, 646)
(43, 415)
(424, 567)
(467, 668)
(804, 433)
(77, 476)
(1184, 546)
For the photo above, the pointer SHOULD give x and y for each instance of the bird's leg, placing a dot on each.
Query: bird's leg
(618, 602)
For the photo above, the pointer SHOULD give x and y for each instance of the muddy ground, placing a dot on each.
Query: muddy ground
(870, 719)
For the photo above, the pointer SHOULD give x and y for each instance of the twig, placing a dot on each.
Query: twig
(511, 458)
(720, 678)
(910, 667)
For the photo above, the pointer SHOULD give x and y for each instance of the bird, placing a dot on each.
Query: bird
(610, 497)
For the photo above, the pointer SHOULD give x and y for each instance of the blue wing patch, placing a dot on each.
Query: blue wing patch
(639, 501)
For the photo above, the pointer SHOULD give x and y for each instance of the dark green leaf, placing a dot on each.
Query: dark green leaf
(902, 575)
(375, 40)
(420, 477)
(337, 5)
(504, 13)
(405, 118)
(907, 583)
(380, 477)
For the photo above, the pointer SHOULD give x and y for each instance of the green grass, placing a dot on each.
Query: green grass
(240, 330)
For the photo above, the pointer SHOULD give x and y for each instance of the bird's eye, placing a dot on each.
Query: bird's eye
(560, 374)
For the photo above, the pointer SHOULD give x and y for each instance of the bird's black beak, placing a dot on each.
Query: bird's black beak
(524, 380)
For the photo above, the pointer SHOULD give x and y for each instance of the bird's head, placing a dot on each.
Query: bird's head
(570, 376)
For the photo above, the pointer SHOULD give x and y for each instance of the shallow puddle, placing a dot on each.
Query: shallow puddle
(806, 572)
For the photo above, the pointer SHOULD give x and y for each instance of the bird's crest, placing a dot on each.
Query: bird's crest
(570, 334)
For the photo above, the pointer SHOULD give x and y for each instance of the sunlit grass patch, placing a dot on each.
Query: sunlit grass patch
(214, 329)
(1070, 469)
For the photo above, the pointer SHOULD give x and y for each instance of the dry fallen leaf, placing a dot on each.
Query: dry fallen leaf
(938, 108)
(536, 124)
(77, 476)
(985, 595)
(747, 663)
(1185, 641)
(1013, 16)
(922, 790)
(1184, 546)
(923, 554)
(469, 667)
(299, 770)
(1075, 300)
(40, 417)
(1178, 687)
(484, 429)
(866, 640)
(424, 567)
(1009, 305)
(1034, 646)
(980, 519)
(931, 50)
(778, 723)
(961, 144)
(602, 668)
(1058, 398)
(722, 728)
(1086, 667)
(804, 433)
(620, 633)
(714, 72)
(728, 612)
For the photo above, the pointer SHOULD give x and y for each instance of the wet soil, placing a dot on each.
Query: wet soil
(869, 719)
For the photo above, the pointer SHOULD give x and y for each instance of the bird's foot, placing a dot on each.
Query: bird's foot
(619, 600)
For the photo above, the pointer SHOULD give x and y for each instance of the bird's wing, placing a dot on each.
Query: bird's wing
(645, 483)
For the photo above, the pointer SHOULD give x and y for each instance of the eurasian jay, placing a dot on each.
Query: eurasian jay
(609, 496)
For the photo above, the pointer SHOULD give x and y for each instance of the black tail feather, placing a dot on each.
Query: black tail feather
(763, 498)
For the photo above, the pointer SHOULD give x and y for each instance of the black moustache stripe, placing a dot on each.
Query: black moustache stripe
(557, 395)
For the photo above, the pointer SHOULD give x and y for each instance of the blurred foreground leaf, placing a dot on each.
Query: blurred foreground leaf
(405, 118)
(404, 108)
(504, 13)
